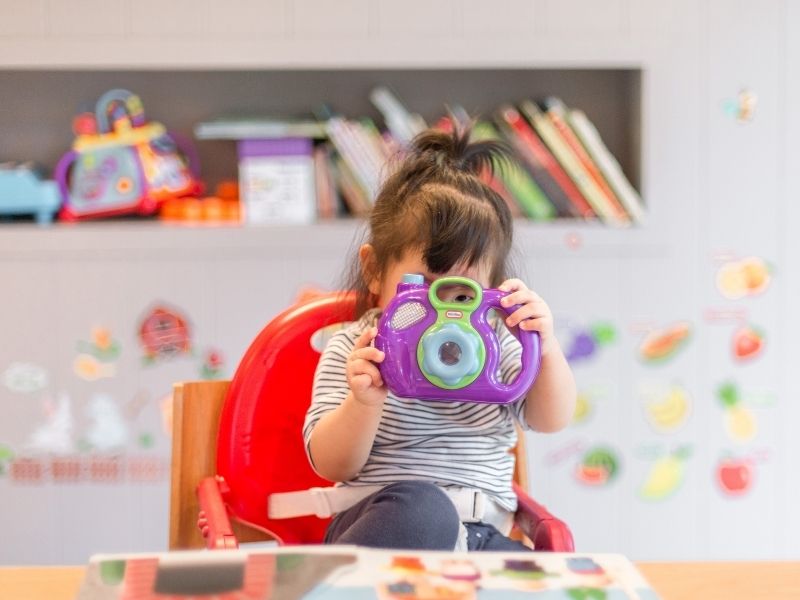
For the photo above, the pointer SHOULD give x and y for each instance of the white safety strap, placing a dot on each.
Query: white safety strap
(322, 502)
(471, 505)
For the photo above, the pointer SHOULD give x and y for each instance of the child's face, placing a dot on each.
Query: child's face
(412, 262)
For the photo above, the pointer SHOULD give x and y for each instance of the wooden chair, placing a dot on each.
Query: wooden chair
(235, 443)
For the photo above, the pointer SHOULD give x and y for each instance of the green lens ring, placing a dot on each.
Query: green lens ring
(466, 307)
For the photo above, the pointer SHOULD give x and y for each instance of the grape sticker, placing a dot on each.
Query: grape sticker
(586, 342)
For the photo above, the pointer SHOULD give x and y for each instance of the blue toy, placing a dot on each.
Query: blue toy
(24, 192)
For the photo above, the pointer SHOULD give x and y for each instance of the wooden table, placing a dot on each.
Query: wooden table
(673, 581)
(723, 580)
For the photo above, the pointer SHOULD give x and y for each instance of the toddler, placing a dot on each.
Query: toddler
(420, 474)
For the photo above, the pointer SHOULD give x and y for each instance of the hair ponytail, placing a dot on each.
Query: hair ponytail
(454, 150)
(438, 200)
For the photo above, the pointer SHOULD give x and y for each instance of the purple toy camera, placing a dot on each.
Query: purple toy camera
(446, 349)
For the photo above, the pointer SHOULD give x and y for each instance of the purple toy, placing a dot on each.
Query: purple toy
(446, 349)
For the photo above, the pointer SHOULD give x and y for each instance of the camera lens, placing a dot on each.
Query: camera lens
(449, 353)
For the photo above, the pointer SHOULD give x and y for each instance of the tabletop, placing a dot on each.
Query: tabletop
(672, 581)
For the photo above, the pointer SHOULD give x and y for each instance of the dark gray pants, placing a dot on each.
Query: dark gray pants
(412, 515)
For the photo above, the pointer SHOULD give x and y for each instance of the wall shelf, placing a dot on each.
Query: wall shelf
(39, 105)
(150, 239)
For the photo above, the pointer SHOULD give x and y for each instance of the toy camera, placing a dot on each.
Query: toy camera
(120, 163)
(439, 349)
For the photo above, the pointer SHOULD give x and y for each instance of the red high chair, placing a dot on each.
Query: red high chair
(237, 443)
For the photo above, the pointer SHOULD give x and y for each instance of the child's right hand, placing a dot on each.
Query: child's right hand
(363, 376)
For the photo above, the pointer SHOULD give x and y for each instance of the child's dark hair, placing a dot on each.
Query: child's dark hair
(437, 201)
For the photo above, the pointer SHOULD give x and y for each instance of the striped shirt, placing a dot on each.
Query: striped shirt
(450, 444)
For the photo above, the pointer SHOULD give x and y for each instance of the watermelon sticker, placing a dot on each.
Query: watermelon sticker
(598, 467)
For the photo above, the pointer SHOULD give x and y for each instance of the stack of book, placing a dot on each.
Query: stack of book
(561, 167)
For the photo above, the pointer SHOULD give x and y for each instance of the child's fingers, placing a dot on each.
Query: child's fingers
(519, 297)
(365, 338)
(512, 285)
(369, 353)
(531, 310)
(360, 383)
(533, 325)
(365, 373)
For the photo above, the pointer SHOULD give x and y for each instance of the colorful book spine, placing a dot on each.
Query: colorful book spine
(607, 163)
(600, 203)
(354, 196)
(493, 182)
(532, 200)
(352, 150)
(326, 193)
(403, 124)
(556, 112)
(546, 171)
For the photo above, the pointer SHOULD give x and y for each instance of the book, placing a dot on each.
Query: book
(488, 175)
(556, 112)
(276, 181)
(550, 176)
(360, 151)
(340, 572)
(530, 197)
(497, 186)
(607, 210)
(327, 200)
(353, 195)
(606, 162)
(259, 128)
(403, 124)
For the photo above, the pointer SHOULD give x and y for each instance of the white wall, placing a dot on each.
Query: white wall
(716, 188)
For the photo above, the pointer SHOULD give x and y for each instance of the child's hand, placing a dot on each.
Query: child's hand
(533, 315)
(363, 375)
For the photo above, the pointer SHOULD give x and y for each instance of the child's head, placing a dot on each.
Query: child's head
(436, 215)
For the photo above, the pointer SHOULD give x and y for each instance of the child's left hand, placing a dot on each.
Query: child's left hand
(533, 315)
